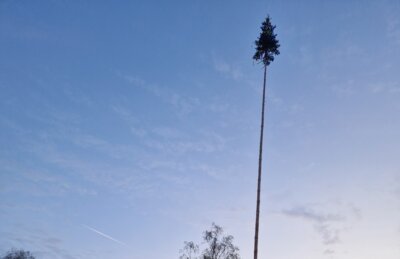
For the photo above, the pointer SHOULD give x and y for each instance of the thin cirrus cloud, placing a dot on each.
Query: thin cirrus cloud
(182, 104)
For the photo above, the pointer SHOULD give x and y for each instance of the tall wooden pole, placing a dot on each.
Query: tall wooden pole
(259, 168)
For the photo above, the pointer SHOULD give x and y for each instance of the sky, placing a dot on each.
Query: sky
(129, 127)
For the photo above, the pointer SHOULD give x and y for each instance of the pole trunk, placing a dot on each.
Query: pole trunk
(259, 168)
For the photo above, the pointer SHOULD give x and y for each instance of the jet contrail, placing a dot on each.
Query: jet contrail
(104, 235)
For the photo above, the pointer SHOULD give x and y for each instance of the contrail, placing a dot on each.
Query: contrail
(104, 235)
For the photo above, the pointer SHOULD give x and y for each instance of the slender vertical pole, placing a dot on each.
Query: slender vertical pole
(259, 168)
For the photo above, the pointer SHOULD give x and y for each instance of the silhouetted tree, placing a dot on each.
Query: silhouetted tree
(217, 246)
(18, 254)
(189, 251)
(266, 48)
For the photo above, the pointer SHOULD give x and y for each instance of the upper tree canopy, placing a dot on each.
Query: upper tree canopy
(266, 45)
(217, 246)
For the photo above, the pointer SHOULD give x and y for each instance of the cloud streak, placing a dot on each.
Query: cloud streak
(104, 235)
(322, 223)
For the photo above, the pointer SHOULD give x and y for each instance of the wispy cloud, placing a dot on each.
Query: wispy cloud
(104, 235)
(324, 223)
(329, 226)
(393, 29)
(135, 128)
(385, 88)
(182, 104)
(329, 252)
(227, 69)
(308, 214)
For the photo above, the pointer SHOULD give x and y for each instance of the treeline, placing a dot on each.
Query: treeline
(18, 254)
(215, 245)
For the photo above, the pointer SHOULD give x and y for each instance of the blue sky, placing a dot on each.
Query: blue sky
(128, 127)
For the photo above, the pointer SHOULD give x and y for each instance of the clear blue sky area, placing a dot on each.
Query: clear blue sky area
(128, 127)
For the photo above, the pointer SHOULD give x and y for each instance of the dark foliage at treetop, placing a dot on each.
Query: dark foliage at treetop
(267, 46)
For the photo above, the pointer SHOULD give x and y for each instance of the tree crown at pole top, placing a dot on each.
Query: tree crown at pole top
(267, 46)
